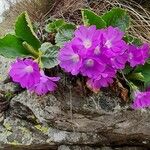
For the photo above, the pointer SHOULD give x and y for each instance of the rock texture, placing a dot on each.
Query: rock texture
(49, 122)
(66, 120)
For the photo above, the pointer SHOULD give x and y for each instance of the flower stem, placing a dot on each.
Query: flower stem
(132, 86)
(31, 49)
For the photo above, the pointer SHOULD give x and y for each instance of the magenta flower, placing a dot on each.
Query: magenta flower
(98, 53)
(69, 59)
(86, 38)
(26, 72)
(142, 100)
(103, 80)
(45, 84)
(92, 67)
(138, 55)
(119, 61)
(113, 44)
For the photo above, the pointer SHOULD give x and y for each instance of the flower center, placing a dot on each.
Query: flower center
(112, 59)
(104, 75)
(108, 44)
(97, 50)
(29, 69)
(75, 58)
(130, 55)
(87, 43)
(90, 63)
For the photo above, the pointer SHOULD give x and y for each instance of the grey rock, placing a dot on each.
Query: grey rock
(106, 148)
(64, 147)
(73, 121)
(4, 67)
(131, 148)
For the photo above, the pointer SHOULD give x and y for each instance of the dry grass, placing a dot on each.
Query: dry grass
(140, 17)
(35, 8)
(140, 23)
(40, 10)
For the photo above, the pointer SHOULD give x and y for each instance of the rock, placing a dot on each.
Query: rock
(4, 67)
(131, 148)
(47, 120)
(64, 147)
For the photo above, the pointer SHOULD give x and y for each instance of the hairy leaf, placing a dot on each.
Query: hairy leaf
(24, 30)
(145, 72)
(11, 47)
(132, 40)
(55, 25)
(64, 34)
(117, 17)
(90, 18)
(49, 58)
(45, 46)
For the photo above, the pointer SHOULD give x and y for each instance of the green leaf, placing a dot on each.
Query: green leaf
(24, 30)
(45, 46)
(127, 69)
(145, 71)
(90, 18)
(11, 47)
(49, 58)
(55, 25)
(148, 61)
(136, 76)
(117, 17)
(132, 40)
(64, 34)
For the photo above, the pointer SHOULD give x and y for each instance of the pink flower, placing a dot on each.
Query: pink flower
(141, 100)
(69, 59)
(138, 55)
(98, 54)
(113, 44)
(92, 67)
(45, 84)
(86, 38)
(119, 61)
(103, 80)
(26, 72)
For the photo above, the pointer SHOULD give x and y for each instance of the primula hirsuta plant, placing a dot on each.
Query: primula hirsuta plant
(28, 74)
(96, 54)
(101, 50)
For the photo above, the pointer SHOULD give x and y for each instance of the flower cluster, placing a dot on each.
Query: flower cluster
(98, 54)
(27, 73)
(94, 53)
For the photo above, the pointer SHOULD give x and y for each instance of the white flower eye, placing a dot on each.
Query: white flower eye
(87, 43)
(29, 69)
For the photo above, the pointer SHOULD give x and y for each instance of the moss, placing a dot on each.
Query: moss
(5, 134)
(24, 130)
(31, 117)
(43, 129)
(7, 126)
(14, 143)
